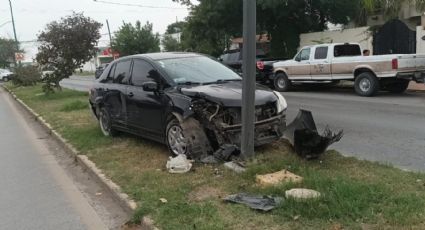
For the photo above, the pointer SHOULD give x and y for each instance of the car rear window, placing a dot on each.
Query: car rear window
(347, 50)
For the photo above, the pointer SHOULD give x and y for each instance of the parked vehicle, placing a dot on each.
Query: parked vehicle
(100, 69)
(188, 101)
(335, 62)
(5, 75)
(234, 59)
(46, 71)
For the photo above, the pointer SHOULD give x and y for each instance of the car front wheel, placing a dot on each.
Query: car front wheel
(6, 79)
(176, 140)
(105, 123)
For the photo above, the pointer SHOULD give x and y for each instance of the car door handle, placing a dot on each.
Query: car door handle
(131, 94)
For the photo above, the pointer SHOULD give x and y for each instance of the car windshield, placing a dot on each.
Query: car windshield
(197, 70)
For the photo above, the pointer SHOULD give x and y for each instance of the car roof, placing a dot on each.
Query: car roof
(167, 55)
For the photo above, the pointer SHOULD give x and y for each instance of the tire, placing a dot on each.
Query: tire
(6, 79)
(398, 86)
(105, 123)
(175, 138)
(366, 84)
(282, 83)
(193, 141)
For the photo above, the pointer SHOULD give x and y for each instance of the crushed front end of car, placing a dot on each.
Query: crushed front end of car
(223, 124)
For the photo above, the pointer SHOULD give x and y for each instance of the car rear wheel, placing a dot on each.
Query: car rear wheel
(105, 123)
(399, 86)
(366, 85)
(282, 82)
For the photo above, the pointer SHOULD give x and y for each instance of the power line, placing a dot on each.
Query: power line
(142, 6)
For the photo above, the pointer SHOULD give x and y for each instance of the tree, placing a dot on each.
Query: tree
(389, 8)
(169, 41)
(7, 51)
(212, 22)
(175, 27)
(66, 45)
(136, 39)
(171, 44)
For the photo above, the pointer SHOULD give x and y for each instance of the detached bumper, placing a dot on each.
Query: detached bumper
(266, 131)
(417, 76)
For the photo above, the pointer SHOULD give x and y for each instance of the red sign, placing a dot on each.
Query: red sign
(19, 56)
(109, 52)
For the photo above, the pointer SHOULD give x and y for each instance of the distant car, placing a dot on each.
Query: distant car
(46, 71)
(100, 69)
(264, 65)
(188, 101)
(5, 75)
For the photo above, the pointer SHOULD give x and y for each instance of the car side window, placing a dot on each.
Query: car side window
(305, 54)
(122, 72)
(141, 72)
(111, 73)
(321, 53)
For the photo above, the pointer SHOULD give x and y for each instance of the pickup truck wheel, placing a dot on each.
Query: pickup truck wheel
(398, 86)
(282, 83)
(105, 123)
(366, 85)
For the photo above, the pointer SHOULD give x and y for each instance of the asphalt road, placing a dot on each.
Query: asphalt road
(36, 193)
(387, 128)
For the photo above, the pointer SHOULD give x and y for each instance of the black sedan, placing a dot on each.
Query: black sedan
(185, 100)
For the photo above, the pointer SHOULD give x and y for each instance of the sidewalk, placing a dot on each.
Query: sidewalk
(416, 86)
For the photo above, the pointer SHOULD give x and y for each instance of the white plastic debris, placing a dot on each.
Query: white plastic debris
(234, 167)
(179, 164)
(302, 194)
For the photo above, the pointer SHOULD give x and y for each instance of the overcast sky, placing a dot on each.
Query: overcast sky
(31, 16)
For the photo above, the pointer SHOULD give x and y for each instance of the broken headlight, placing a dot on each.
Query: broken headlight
(281, 104)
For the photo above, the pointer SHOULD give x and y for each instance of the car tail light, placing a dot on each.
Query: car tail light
(395, 63)
(260, 65)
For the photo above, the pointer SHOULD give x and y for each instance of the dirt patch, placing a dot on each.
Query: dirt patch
(205, 193)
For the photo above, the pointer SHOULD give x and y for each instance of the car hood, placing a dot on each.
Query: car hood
(229, 94)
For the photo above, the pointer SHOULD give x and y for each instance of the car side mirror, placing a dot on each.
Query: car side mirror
(150, 86)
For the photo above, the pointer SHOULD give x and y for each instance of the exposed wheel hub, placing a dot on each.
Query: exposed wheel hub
(365, 85)
(281, 83)
(176, 140)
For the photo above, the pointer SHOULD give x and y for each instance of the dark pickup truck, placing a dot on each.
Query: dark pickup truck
(265, 75)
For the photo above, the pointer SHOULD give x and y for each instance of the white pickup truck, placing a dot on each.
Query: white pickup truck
(327, 63)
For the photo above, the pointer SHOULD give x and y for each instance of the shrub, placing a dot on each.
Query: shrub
(26, 76)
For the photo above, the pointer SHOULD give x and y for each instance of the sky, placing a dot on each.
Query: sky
(31, 16)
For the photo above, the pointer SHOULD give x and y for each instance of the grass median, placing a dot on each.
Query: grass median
(356, 194)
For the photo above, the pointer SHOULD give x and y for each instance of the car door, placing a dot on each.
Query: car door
(320, 67)
(145, 110)
(301, 68)
(114, 92)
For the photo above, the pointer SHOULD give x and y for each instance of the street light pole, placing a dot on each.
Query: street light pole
(14, 28)
(249, 72)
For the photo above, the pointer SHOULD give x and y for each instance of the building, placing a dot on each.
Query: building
(403, 35)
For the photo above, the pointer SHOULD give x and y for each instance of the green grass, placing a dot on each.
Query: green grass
(356, 194)
(74, 105)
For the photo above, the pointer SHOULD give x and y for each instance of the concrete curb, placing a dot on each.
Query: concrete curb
(124, 200)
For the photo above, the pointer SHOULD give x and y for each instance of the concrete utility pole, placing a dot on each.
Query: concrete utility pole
(249, 72)
(14, 29)
(110, 38)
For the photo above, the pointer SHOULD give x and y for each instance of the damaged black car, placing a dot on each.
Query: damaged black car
(187, 101)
